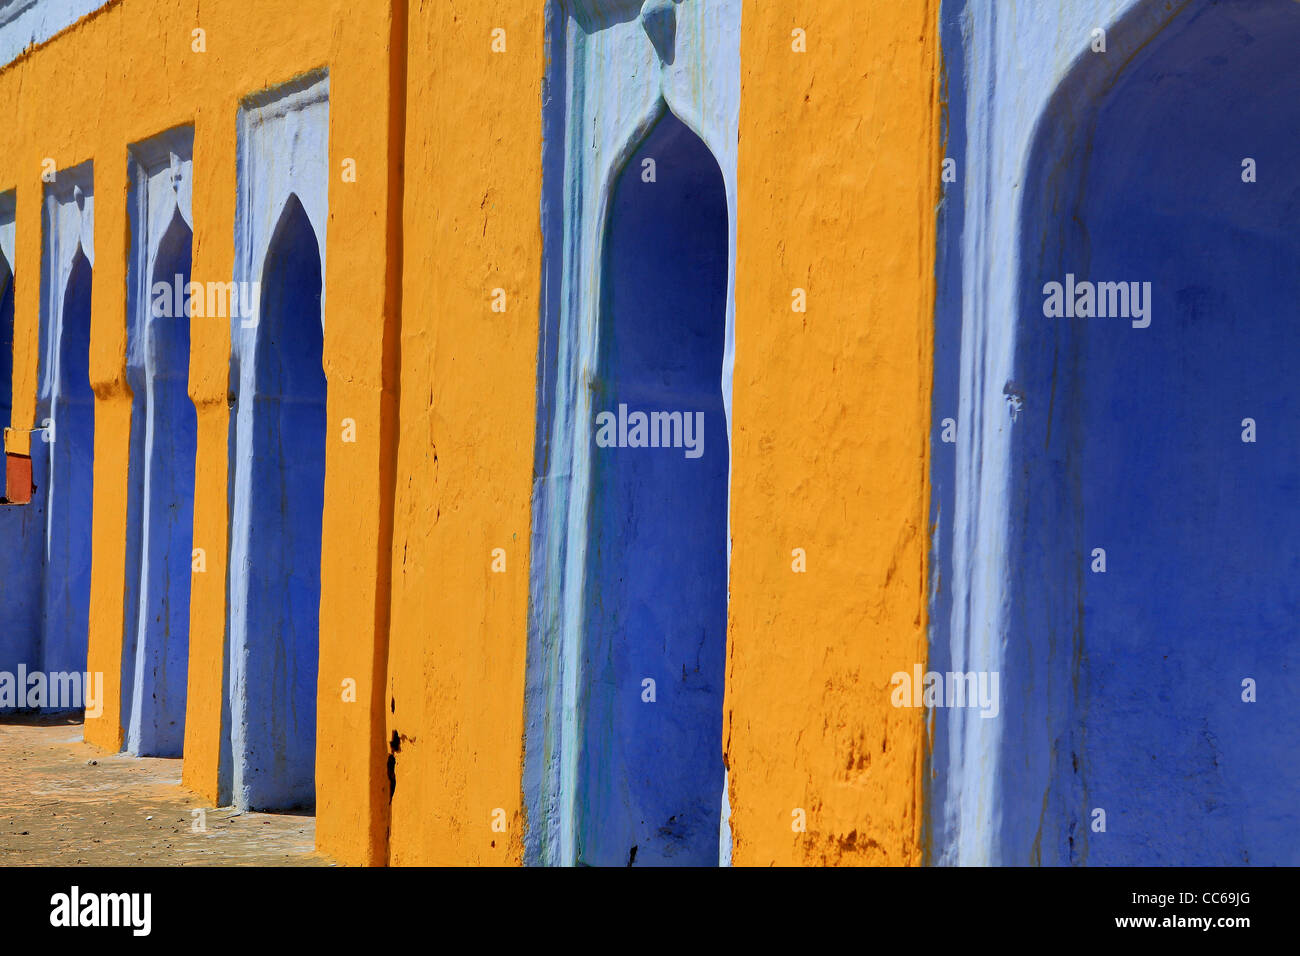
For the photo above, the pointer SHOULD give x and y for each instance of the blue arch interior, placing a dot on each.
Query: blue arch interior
(70, 482)
(1128, 684)
(161, 499)
(21, 528)
(650, 774)
(288, 496)
(6, 340)
(137, 377)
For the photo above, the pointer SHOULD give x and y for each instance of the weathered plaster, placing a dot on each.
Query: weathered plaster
(65, 409)
(455, 692)
(1131, 437)
(837, 184)
(160, 510)
(608, 85)
(1016, 57)
(22, 528)
(272, 641)
(24, 23)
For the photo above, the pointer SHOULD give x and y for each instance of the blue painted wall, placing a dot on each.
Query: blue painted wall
(70, 480)
(137, 377)
(22, 528)
(1132, 442)
(615, 67)
(6, 338)
(944, 406)
(160, 485)
(651, 773)
(288, 475)
(277, 447)
(27, 22)
(165, 476)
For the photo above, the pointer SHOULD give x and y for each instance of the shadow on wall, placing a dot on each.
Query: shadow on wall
(650, 769)
(1130, 440)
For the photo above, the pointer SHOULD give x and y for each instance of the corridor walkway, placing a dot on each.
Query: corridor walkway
(65, 803)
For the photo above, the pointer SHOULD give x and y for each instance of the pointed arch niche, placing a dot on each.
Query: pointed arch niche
(160, 486)
(629, 544)
(7, 230)
(1121, 691)
(277, 443)
(1135, 447)
(63, 456)
(22, 528)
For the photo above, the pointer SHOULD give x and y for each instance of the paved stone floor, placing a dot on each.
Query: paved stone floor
(64, 802)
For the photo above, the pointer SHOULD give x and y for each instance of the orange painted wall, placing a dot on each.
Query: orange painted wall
(838, 181)
(465, 453)
(124, 74)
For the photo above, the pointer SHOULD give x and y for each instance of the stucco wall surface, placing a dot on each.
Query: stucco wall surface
(1013, 57)
(454, 696)
(838, 179)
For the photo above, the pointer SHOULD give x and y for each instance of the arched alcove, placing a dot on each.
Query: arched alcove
(650, 773)
(1123, 690)
(137, 379)
(274, 705)
(22, 528)
(72, 452)
(19, 530)
(166, 496)
(6, 340)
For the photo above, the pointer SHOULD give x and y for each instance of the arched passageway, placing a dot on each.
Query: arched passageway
(650, 765)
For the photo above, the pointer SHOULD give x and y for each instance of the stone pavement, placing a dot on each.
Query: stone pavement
(64, 803)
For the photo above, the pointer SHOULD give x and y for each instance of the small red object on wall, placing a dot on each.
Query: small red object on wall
(18, 479)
